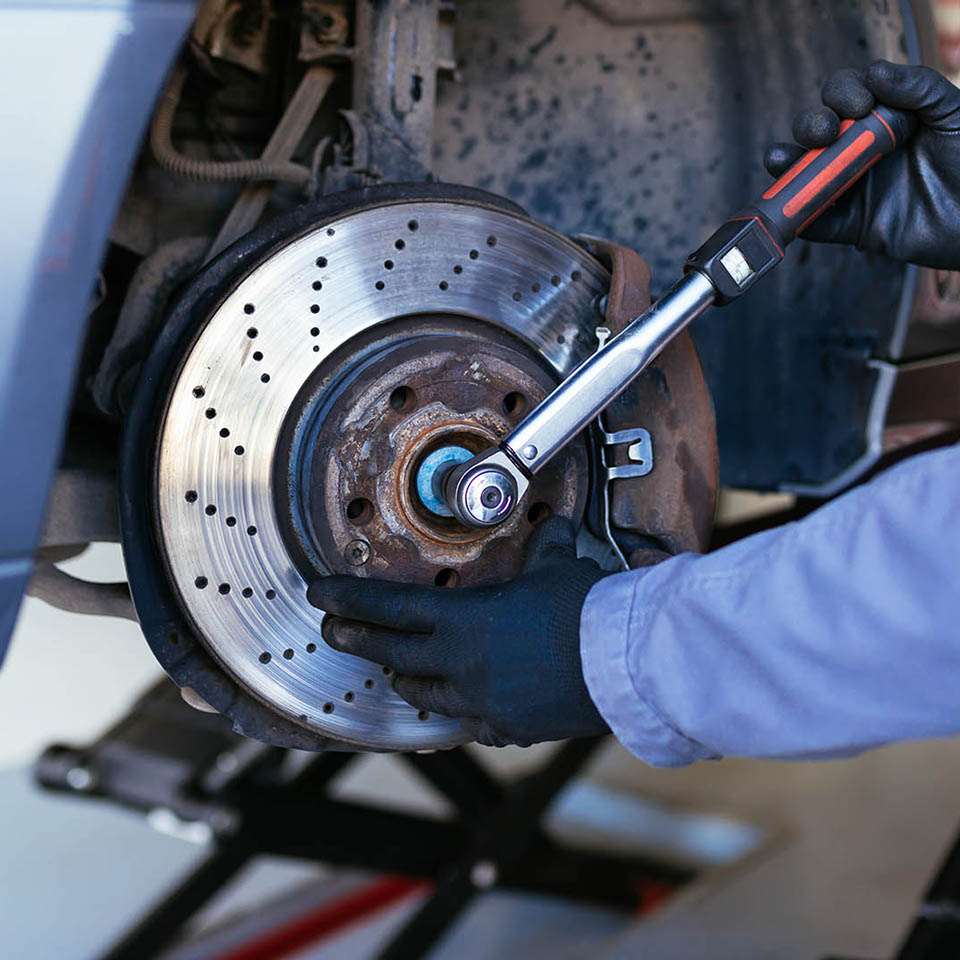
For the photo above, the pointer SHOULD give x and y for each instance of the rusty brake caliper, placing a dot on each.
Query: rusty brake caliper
(659, 438)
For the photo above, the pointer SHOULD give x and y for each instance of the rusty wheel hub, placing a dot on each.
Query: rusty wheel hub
(367, 457)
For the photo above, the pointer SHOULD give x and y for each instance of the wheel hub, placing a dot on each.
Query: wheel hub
(369, 446)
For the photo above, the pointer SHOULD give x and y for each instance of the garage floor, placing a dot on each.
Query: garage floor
(861, 839)
(851, 845)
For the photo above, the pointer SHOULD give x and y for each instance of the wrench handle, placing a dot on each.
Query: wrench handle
(752, 242)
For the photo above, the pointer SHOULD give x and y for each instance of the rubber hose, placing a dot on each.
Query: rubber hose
(210, 171)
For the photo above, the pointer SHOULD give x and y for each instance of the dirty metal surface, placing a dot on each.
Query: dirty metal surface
(394, 84)
(644, 121)
(354, 458)
(322, 291)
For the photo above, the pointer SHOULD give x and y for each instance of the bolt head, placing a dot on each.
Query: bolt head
(357, 552)
(528, 452)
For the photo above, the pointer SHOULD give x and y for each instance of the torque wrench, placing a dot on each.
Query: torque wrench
(484, 491)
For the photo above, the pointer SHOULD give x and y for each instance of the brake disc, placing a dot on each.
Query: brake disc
(325, 384)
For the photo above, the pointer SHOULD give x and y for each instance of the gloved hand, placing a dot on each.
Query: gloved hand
(907, 206)
(506, 657)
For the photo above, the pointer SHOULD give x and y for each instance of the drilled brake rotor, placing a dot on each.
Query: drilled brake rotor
(316, 406)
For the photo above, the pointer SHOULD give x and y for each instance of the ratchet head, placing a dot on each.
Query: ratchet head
(484, 491)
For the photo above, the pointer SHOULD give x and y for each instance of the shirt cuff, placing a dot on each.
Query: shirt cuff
(614, 610)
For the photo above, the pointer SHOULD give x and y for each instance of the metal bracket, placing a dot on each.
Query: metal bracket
(640, 454)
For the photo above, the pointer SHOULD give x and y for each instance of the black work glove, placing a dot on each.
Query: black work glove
(907, 206)
(506, 657)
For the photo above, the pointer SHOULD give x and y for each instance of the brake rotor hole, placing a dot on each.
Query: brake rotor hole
(402, 399)
(200, 583)
(321, 261)
(423, 715)
(328, 707)
(514, 404)
(248, 308)
(311, 648)
(349, 696)
(252, 332)
(399, 244)
(190, 496)
(257, 355)
(247, 592)
(369, 683)
(270, 594)
(387, 264)
(210, 413)
(447, 577)
(314, 331)
(474, 254)
(224, 588)
(210, 509)
(198, 392)
(288, 654)
(359, 511)
(265, 657)
(224, 432)
(314, 307)
(413, 225)
(491, 241)
(538, 513)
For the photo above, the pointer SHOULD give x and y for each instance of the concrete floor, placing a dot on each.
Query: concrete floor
(860, 839)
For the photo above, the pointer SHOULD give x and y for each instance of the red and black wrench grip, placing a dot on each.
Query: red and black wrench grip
(752, 242)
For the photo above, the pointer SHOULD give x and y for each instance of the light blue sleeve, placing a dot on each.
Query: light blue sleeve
(818, 639)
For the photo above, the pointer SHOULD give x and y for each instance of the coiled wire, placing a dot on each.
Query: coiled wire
(210, 171)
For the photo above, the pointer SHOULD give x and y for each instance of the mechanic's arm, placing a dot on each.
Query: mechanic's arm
(822, 638)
